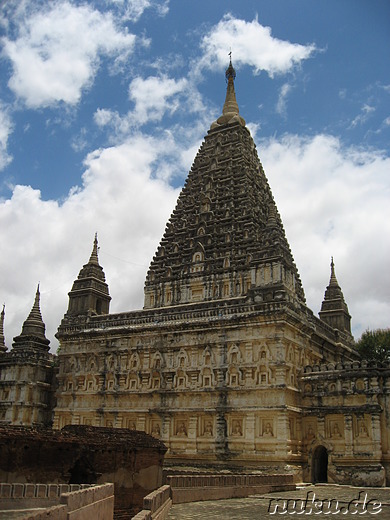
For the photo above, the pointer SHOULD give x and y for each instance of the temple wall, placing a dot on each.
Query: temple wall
(26, 389)
(216, 391)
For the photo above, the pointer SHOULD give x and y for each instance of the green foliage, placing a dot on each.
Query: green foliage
(375, 345)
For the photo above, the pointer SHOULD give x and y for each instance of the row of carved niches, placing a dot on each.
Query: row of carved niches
(337, 429)
(190, 358)
(190, 426)
(347, 366)
(180, 379)
(336, 387)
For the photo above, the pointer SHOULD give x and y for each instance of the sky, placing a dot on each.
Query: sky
(104, 104)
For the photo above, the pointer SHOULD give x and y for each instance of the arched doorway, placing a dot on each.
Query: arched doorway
(320, 465)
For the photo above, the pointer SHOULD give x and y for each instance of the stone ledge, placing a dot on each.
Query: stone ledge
(194, 488)
(156, 505)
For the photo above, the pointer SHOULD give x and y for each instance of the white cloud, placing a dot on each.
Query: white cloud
(79, 142)
(281, 106)
(252, 44)
(6, 128)
(132, 10)
(56, 53)
(360, 119)
(334, 201)
(154, 98)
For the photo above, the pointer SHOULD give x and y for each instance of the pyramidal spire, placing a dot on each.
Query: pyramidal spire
(33, 329)
(333, 291)
(334, 310)
(3, 348)
(225, 238)
(34, 323)
(230, 110)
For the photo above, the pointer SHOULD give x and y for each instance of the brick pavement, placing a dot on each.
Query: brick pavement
(258, 506)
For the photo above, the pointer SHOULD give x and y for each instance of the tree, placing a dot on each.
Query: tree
(375, 345)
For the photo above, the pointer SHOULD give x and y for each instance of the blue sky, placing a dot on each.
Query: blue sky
(104, 104)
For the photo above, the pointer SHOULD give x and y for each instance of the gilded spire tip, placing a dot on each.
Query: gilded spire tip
(230, 111)
(230, 72)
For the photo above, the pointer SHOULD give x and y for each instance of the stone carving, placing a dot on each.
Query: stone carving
(310, 435)
(268, 431)
(156, 431)
(208, 429)
(181, 430)
(363, 431)
(335, 432)
(237, 428)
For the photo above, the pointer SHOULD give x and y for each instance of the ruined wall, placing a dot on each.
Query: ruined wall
(80, 454)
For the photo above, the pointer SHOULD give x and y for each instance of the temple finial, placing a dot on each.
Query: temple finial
(3, 348)
(230, 111)
(94, 255)
(333, 279)
(230, 72)
(35, 313)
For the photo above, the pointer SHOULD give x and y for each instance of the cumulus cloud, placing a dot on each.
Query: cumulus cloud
(333, 201)
(154, 98)
(55, 54)
(252, 44)
(6, 128)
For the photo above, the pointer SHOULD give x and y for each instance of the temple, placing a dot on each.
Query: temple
(225, 363)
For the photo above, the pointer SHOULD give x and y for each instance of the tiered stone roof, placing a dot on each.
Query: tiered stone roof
(225, 238)
(90, 294)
